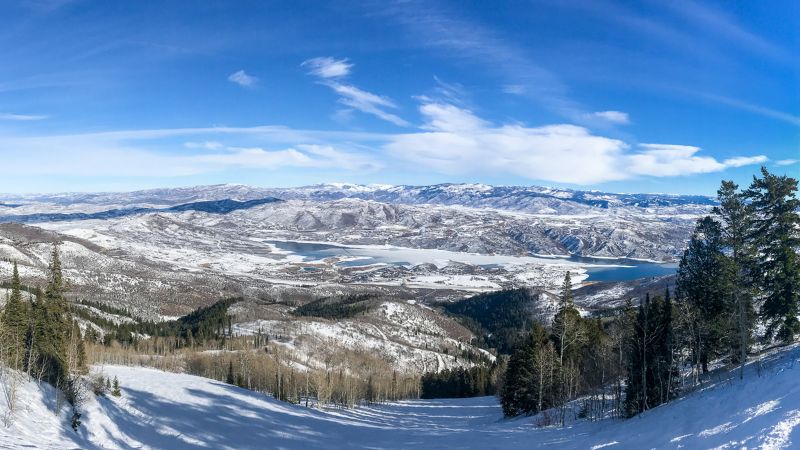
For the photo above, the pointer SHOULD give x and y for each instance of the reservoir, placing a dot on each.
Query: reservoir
(598, 269)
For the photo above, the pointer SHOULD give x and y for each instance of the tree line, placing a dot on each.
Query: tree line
(740, 268)
(460, 382)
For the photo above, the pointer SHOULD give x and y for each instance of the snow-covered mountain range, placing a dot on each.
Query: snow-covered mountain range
(464, 217)
(529, 199)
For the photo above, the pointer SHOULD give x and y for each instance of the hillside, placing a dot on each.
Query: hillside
(166, 410)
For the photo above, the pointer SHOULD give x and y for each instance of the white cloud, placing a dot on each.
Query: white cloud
(665, 160)
(453, 140)
(208, 145)
(456, 141)
(610, 116)
(328, 70)
(134, 154)
(311, 156)
(22, 117)
(787, 162)
(243, 79)
(328, 67)
(446, 117)
(450, 92)
(459, 142)
(741, 161)
(365, 102)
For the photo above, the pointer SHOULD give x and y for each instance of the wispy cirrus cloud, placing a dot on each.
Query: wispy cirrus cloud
(366, 102)
(208, 145)
(303, 155)
(23, 117)
(787, 162)
(329, 71)
(618, 117)
(140, 153)
(751, 107)
(461, 38)
(328, 67)
(241, 78)
(715, 21)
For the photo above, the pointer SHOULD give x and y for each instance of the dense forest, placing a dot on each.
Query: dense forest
(499, 319)
(337, 307)
(476, 381)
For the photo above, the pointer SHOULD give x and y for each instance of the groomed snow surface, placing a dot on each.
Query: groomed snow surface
(174, 411)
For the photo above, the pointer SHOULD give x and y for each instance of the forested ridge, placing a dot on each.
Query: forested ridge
(498, 319)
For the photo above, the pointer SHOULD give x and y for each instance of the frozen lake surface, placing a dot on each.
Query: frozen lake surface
(598, 269)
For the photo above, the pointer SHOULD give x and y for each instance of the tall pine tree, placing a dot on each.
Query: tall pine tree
(704, 282)
(735, 216)
(52, 326)
(15, 322)
(568, 333)
(652, 375)
(775, 232)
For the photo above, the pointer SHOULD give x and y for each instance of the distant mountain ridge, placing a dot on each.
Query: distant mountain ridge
(522, 198)
(223, 206)
(529, 199)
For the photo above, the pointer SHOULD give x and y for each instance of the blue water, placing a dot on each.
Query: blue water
(633, 269)
(637, 270)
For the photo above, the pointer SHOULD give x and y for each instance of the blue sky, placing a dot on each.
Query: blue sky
(621, 96)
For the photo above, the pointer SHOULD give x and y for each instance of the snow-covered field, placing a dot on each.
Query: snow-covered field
(162, 410)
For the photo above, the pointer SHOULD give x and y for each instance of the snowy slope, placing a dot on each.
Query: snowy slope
(164, 410)
(411, 337)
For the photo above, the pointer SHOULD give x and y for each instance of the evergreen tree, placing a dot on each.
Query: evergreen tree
(15, 322)
(666, 368)
(51, 327)
(526, 388)
(775, 232)
(736, 221)
(704, 281)
(652, 375)
(517, 373)
(116, 392)
(568, 334)
(77, 350)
